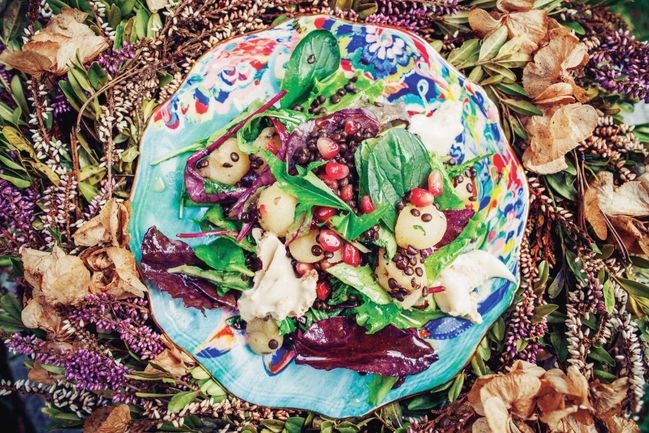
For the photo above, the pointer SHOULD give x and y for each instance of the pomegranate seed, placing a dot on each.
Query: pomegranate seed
(435, 183)
(434, 289)
(303, 268)
(322, 290)
(329, 240)
(367, 206)
(351, 127)
(351, 255)
(323, 213)
(331, 183)
(327, 147)
(346, 192)
(421, 197)
(336, 170)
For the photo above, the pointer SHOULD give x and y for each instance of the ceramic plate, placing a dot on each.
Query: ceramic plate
(221, 85)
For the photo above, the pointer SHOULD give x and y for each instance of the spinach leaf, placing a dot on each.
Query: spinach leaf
(390, 166)
(366, 90)
(455, 170)
(223, 280)
(386, 240)
(247, 135)
(446, 254)
(223, 254)
(375, 317)
(307, 187)
(287, 326)
(215, 215)
(448, 199)
(362, 279)
(379, 387)
(350, 226)
(315, 57)
(213, 187)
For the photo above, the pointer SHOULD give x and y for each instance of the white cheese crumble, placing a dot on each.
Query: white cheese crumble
(463, 281)
(439, 131)
(276, 291)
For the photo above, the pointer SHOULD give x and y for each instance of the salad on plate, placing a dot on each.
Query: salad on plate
(336, 224)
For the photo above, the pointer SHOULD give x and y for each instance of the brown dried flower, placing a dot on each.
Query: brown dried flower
(522, 22)
(564, 402)
(548, 79)
(38, 374)
(111, 419)
(114, 272)
(626, 207)
(51, 49)
(173, 360)
(556, 133)
(37, 314)
(59, 278)
(110, 226)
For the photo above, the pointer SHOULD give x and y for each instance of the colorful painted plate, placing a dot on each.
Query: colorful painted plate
(222, 84)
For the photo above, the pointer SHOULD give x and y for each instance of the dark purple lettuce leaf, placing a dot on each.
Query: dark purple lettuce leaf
(338, 342)
(194, 182)
(456, 220)
(330, 123)
(160, 253)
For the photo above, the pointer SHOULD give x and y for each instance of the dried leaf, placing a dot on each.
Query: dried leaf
(565, 402)
(556, 133)
(60, 278)
(108, 227)
(625, 206)
(38, 374)
(111, 419)
(35, 314)
(51, 49)
(172, 360)
(555, 62)
(499, 396)
(608, 397)
(114, 272)
(514, 5)
(156, 5)
(484, 23)
(531, 25)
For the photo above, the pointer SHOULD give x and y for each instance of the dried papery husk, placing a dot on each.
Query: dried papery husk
(52, 49)
(110, 226)
(111, 419)
(556, 133)
(114, 272)
(59, 278)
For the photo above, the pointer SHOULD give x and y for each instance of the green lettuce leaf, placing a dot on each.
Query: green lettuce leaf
(362, 279)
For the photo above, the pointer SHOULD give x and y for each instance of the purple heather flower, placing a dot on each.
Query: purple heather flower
(88, 370)
(521, 327)
(620, 64)
(17, 216)
(111, 60)
(128, 319)
(412, 14)
(94, 372)
(60, 105)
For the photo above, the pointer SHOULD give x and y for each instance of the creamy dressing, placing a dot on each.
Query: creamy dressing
(276, 291)
(439, 130)
(463, 281)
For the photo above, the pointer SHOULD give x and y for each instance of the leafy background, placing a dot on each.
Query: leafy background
(69, 144)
